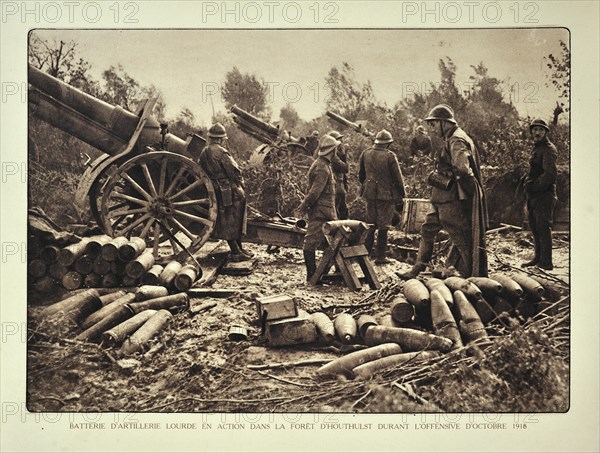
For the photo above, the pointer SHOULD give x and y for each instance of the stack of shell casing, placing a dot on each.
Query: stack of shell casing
(105, 262)
(431, 317)
(119, 319)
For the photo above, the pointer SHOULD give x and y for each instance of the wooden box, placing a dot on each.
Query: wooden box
(280, 306)
(413, 215)
(291, 331)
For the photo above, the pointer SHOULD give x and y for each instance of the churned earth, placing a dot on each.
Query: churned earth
(192, 366)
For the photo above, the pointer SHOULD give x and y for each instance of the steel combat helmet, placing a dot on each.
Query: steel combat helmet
(217, 130)
(327, 144)
(539, 122)
(441, 112)
(383, 137)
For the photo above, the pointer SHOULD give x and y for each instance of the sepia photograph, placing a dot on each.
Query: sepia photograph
(369, 220)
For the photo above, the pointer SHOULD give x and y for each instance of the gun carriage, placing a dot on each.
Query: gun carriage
(147, 182)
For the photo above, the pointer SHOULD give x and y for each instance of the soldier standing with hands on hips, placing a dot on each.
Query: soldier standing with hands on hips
(383, 188)
(539, 185)
(227, 179)
(457, 198)
(319, 202)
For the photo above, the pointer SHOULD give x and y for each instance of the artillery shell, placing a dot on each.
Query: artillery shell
(169, 273)
(37, 268)
(488, 286)
(126, 280)
(511, 289)
(324, 326)
(551, 290)
(111, 297)
(152, 276)
(444, 324)
(440, 286)
(110, 250)
(49, 254)
(94, 246)
(140, 265)
(532, 288)
(110, 280)
(106, 310)
(345, 327)
(84, 264)
(68, 255)
(408, 339)
(186, 277)
(329, 228)
(500, 305)
(116, 316)
(57, 270)
(363, 323)
(484, 310)
(119, 333)
(45, 285)
(132, 249)
(101, 266)
(92, 280)
(402, 310)
(146, 332)
(117, 266)
(345, 364)
(72, 280)
(470, 323)
(465, 286)
(69, 304)
(526, 308)
(370, 368)
(146, 292)
(174, 302)
(388, 321)
(416, 293)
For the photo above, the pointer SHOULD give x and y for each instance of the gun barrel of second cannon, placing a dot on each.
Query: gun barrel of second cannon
(257, 122)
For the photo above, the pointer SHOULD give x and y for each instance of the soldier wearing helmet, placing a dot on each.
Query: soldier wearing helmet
(319, 202)
(312, 143)
(457, 198)
(339, 165)
(421, 142)
(227, 179)
(539, 185)
(382, 186)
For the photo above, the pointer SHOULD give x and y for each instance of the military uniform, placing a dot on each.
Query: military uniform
(540, 189)
(227, 179)
(458, 206)
(420, 142)
(339, 165)
(382, 186)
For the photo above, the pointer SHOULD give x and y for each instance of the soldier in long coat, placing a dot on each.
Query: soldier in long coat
(382, 186)
(457, 198)
(319, 203)
(226, 176)
(540, 188)
(339, 165)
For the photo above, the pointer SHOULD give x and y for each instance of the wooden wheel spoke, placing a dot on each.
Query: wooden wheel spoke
(137, 187)
(175, 181)
(156, 239)
(163, 176)
(187, 189)
(201, 201)
(183, 229)
(114, 214)
(132, 225)
(169, 233)
(130, 199)
(148, 177)
(193, 217)
(146, 229)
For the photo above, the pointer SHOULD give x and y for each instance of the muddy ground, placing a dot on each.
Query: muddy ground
(191, 366)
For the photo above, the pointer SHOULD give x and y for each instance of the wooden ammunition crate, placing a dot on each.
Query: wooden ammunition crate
(279, 306)
(413, 215)
(291, 331)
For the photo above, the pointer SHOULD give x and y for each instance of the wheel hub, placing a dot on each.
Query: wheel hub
(161, 207)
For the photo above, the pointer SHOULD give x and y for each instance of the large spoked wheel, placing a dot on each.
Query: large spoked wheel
(163, 197)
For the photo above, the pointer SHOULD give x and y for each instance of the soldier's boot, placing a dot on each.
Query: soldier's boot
(536, 254)
(545, 261)
(382, 236)
(310, 261)
(245, 252)
(237, 254)
(413, 272)
(369, 241)
(423, 257)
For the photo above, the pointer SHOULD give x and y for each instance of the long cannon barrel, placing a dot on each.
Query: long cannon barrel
(345, 122)
(106, 127)
(256, 122)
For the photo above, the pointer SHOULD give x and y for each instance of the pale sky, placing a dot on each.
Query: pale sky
(186, 65)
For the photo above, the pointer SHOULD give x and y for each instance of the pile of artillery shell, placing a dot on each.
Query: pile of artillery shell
(105, 262)
(119, 318)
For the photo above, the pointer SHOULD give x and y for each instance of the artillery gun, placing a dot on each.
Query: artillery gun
(147, 183)
(276, 143)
